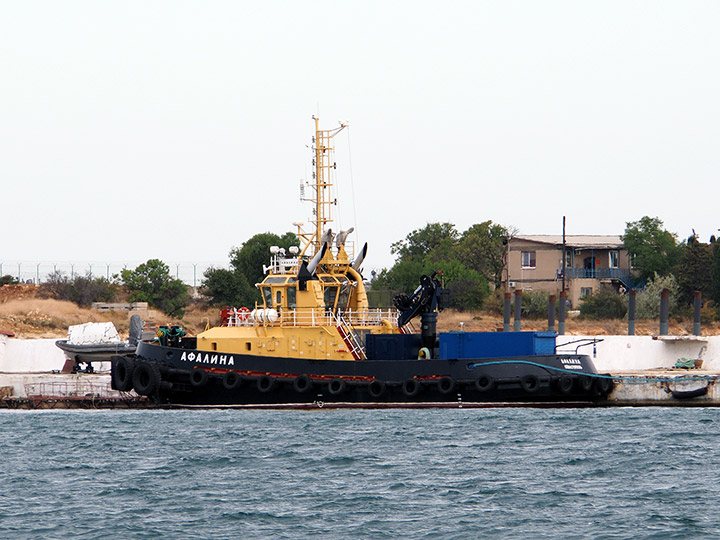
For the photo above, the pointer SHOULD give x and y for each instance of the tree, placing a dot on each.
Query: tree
(714, 292)
(151, 282)
(421, 243)
(482, 247)
(249, 259)
(652, 249)
(228, 288)
(694, 270)
(236, 286)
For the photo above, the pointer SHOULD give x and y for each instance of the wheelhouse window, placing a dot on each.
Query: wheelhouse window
(267, 296)
(614, 259)
(528, 259)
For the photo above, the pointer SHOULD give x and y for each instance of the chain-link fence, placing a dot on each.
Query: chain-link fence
(190, 273)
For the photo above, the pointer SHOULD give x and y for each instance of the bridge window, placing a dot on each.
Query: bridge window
(330, 296)
(291, 291)
(267, 295)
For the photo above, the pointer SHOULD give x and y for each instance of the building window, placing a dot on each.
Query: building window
(585, 292)
(568, 258)
(528, 259)
(614, 259)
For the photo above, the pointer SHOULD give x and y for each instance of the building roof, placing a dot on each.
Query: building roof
(576, 241)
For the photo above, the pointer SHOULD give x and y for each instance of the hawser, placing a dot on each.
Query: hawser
(315, 339)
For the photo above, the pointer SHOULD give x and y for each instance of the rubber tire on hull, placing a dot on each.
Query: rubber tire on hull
(146, 378)
(564, 384)
(336, 387)
(411, 387)
(198, 377)
(376, 388)
(265, 383)
(302, 384)
(585, 383)
(231, 380)
(530, 383)
(485, 383)
(446, 385)
(603, 386)
(122, 373)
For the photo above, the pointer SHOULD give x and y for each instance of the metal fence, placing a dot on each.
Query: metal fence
(190, 273)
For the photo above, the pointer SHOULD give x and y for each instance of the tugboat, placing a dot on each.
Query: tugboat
(314, 340)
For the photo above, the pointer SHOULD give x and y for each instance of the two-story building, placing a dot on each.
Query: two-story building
(535, 263)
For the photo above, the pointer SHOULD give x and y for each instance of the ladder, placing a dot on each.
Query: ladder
(350, 338)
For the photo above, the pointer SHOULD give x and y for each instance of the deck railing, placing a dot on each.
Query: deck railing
(313, 317)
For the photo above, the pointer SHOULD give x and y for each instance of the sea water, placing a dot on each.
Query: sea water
(491, 473)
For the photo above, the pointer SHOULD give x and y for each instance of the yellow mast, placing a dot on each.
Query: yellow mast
(324, 164)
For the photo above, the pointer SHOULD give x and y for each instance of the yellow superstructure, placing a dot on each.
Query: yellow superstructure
(314, 303)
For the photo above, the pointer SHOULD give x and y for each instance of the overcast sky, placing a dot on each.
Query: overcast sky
(178, 130)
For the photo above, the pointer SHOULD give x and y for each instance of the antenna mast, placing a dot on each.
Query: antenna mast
(324, 164)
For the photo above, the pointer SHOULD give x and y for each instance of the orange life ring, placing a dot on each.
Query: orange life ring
(243, 313)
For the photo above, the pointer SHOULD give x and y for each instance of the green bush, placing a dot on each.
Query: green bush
(534, 304)
(7, 280)
(604, 304)
(647, 305)
(82, 290)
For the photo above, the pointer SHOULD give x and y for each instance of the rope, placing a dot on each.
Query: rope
(631, 380)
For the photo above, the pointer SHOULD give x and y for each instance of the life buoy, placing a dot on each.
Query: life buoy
(411, 387)
(198, 377)
(485, 383)
(446, 385)
(265, 383)
(231, 380)
(122, 373)
(530, 383)
(336, 386)
(145, 378)
(376, 388)
(243, 313)
(302, 384)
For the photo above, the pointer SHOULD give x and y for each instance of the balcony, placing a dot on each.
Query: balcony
(598, 273)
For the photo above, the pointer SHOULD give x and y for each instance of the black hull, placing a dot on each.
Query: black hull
(176, 376)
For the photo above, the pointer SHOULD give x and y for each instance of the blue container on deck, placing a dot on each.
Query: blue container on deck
(468, 345)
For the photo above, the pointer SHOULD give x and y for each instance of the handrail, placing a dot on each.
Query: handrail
(314, 317)
(584, 342)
